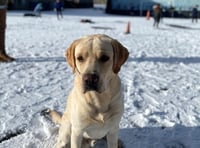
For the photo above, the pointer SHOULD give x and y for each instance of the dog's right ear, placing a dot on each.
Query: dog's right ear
(70, 55)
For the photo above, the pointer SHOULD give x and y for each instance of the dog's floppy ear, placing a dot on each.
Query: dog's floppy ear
(120, 55)
(70, 55)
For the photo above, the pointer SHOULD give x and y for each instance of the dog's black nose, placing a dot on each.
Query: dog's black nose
(91, 82)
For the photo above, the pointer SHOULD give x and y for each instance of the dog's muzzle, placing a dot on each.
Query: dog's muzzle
(90, 82)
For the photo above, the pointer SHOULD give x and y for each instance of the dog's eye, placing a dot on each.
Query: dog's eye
(80, 59)
(104, 58)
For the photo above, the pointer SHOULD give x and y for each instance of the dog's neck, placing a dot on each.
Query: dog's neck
(100, 106)
(98, 102)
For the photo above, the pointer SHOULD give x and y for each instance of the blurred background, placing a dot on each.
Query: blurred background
(171, 8)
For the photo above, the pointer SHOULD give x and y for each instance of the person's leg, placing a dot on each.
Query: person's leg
(2, 30)
(3, 56)
(57, 13)
(158, 21)
(154, 23)
(39, 13)
(61, 14)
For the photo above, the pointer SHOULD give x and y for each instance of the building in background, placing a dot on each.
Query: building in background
(78, 3)
(29, 4)
(47, 4)
(181, 8)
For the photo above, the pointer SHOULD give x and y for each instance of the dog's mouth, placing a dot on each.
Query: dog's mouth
(91, 82)
(90, 87)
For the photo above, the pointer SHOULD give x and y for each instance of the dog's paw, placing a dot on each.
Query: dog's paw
(52, 115)
(88, 143)
(45, 112)
(61, 144)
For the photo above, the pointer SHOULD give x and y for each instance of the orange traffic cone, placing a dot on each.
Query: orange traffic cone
(148, 15)
(128, 28)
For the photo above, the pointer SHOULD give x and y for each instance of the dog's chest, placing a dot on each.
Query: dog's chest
(100, 125)
(97, 130)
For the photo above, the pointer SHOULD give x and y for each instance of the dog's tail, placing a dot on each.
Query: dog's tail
(52, 115)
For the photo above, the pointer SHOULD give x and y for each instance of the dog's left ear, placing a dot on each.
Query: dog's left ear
(120, 55)
(70, 55)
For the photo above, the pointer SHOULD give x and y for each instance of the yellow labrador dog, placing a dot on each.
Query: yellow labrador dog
(95, 104)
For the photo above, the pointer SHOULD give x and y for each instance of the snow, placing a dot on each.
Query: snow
(161, 78)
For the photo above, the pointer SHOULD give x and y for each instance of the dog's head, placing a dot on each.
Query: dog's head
(95, 59)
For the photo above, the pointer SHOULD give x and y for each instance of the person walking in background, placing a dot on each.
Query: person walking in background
(38, 8)
(3, 55)
(195, 14)
(59, 8)
(10, 4)
(157, 13)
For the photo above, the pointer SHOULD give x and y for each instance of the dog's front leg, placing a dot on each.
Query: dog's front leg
(112, 139)
(76, 138)
(64, 135)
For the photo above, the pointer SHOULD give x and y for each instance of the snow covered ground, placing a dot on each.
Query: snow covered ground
(161, 78)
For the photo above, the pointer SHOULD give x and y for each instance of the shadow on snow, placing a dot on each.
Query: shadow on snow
(170, 60)
(178, 136)
(41, 59)
(181, 27)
